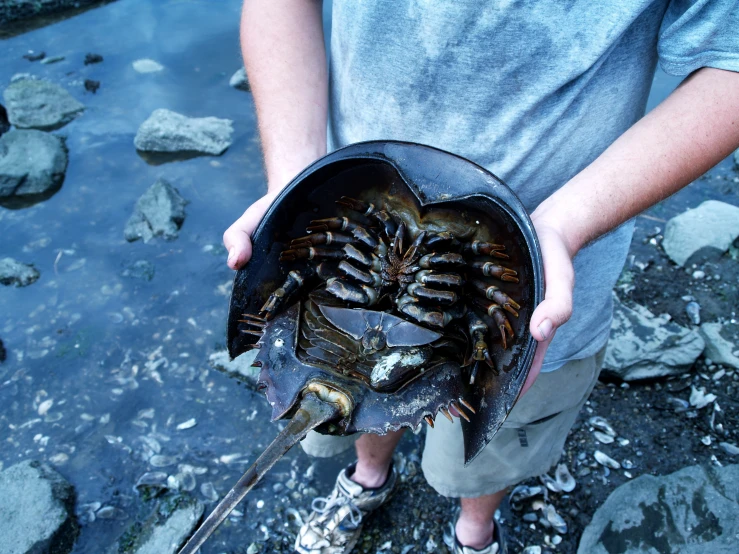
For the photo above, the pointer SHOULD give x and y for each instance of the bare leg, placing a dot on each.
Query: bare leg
(475, 523)
(374, 454)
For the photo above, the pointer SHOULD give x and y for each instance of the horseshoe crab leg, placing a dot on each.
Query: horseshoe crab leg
(311, 413)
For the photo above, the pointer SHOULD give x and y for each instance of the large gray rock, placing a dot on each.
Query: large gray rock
(239, 368)
(172, 522)
(691, 511)
(712, 224)
(17, 10)
(32, 164)
(13, 272)
(718, 349)
(36, 510)
(159, 212)
(168, 131)
(239, 80)
(39, 104)
(643, 346)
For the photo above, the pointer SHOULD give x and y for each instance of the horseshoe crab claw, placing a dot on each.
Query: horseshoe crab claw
(312, 412)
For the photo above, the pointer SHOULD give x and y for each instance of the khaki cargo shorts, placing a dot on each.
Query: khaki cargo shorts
(529, 443)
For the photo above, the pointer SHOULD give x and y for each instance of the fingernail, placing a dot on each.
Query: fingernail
(545, 328)
(231, 255)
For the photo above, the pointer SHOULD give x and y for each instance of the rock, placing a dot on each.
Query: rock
(718, 349)
(4, 123)
(36, 510)
(91, 85)
(643, 346)
(32, 165)
(32, 56)
(147, 66)
(3, 352)
(159, 212)
(15, 273)
(712, 224)
(166, 530)
(17, 10)
(240, 81)
(690, 511)
(239, 368)
(168, 131)
(91, 58)
(140, 269)
(39, 104)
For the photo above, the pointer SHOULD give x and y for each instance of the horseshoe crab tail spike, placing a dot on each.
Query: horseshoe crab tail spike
(311, 413)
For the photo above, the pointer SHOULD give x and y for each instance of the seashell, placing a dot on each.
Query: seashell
(564, 478)
(152, 443)
(189, 424)
(148, 413)
(160, 460)
(538, 504)
(45, 406)
(699, 398)
(209, 491)
(187, 481)
(603, 437)
(622, 441)
(536, 549)
(550, 483)
(59, 459)
(693, 309)
(556, 539)
(110, 512)
(555, 520)
(628, 464)
(173, 482)
(678, 404)
(602, 424)
(706, 440)
(151, 484)
(522, 492)
(231, 458)
(606, 460)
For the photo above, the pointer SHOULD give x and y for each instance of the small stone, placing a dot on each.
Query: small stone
(239, 80)
(712, 224)
(706, 440)
(147, 65)
(159, 212)
(92, 86)
(168, 131)
(34, 56)
(93, 58)
(698, 274)
(16, 273)
(693, 309)
(39, 104)
(189, 424)
(730, 449)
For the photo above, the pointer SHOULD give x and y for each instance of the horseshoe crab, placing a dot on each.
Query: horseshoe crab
(388, 282)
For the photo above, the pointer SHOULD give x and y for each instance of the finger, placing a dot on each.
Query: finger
(536, 365)
(559, 276)
(237, 240)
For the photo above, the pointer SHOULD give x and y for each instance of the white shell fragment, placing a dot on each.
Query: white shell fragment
(606, 460)
(189, 424)
(45, 406)
(601, 424)
(550, 483)
(555, 520)
(209, 491)
(536, 549)
(564, 478)
(522, 492)
(699, 398)
(162, 461)
(603, 437)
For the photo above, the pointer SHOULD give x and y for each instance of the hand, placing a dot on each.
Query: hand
(559, 279)
(237, 238)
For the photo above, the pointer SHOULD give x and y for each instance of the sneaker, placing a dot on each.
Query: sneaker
(336, 522)
(498, 545)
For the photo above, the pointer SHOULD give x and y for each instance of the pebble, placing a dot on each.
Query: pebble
(147, 66)
(162, 461)
(693, 309)
(730, 449)
(189, 424)
(109, 512)
(605, 460)
(698, 274)
(706, 440)
(532, 550)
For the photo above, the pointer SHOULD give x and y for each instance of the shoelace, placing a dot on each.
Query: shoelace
(324, 505)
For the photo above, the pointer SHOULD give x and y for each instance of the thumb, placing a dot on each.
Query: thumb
(559, 278)
(237, 238)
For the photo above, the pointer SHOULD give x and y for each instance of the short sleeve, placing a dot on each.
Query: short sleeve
(699, 33)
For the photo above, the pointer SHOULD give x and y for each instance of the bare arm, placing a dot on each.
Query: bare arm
(282, 44)
(690, 132)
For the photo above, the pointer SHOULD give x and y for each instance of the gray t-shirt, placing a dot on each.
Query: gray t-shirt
(533, 90)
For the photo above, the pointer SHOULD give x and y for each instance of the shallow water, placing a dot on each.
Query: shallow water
(102, 367)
